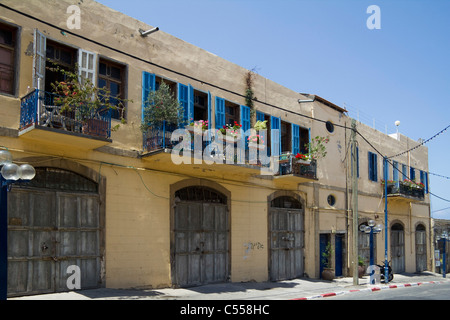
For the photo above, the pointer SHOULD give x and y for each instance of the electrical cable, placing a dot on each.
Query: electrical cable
(421, 144)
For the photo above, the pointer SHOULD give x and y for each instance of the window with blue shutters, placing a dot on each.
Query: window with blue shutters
(404, 172)
(412, 173)
(395, 172)
(245, 118)
(220, 112)
(148, 85)
(186, 99)
(373, 174)
(259, 116)
(424, 180)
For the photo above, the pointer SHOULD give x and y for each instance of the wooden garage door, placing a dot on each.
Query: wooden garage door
(421, 248)
(50, 230)
(398, 248)
(201, 238)
(286, 239)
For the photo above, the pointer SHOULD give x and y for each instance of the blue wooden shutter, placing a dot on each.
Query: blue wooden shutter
(295, 139)
(404, 172)
(148, 85)
(220, 112)
(259, 116)
(245, 118)
(190, 113)
(372, 166)
(275, 140)
(395, 172)
(209, 110)
(375, 167)
(183, 99)
(412, 174)
(245, 121)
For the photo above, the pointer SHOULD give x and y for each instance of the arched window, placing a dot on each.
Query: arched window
(286, 202)
(61, 180)
(200, 194)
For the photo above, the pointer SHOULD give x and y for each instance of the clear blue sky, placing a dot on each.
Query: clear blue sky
(399, 72)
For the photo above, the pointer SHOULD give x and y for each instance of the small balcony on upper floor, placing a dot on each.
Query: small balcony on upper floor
(407, 191)
(224, 155)
(45, 120)
(298, 170)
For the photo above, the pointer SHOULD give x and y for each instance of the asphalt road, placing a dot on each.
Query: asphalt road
(422, 292)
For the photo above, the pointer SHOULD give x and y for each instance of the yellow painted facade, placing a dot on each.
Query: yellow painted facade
(139, 188)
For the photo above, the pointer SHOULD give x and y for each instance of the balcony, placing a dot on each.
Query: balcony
(292, 169)
(232, 157)
(405, 191)
(43, 120)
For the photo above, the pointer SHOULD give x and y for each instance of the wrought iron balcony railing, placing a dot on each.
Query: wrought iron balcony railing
(407, 190)
(289, 165)
(40, 109)
(236, 152)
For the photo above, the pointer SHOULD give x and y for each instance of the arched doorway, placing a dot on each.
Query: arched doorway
(398, 248)
(200, 237)
(421, 248)
(54, 222)
(286, 238)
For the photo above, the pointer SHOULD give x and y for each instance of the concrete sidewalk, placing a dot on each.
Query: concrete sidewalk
(297, 289)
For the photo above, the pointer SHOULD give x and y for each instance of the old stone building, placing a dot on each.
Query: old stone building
(114, 202)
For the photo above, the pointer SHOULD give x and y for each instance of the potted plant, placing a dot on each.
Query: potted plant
(316, 147)
(303, 158)
(161, 108)
(361, 267)
(162, 113)
(231, 132)
(260, 125)
(328, 271)
(200, 124)
(80, 101)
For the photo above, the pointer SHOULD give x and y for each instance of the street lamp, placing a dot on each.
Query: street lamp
(9, 174)
(371, 229)
(444, 237)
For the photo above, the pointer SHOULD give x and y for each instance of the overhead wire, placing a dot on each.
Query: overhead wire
(163, 67)
(420, 144)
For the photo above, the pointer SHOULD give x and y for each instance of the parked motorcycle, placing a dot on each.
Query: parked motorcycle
(382, 273)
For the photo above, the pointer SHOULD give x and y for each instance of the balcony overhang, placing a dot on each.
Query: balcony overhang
(403, 193)
(42, 119)
(47, 135)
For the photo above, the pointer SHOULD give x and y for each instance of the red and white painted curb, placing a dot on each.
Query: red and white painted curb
(371, 289)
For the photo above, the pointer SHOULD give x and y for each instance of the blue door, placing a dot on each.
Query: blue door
(338, 257)
(324, 239)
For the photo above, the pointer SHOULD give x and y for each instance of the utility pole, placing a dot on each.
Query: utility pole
(354, 204)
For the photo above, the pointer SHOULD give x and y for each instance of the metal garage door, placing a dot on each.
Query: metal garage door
(286, 223)
(53, 223)
(201, 238)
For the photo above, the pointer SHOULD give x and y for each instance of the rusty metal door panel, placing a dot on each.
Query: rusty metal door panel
(47, 232)
(286, 243)
(421, 251)
(200, 243)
